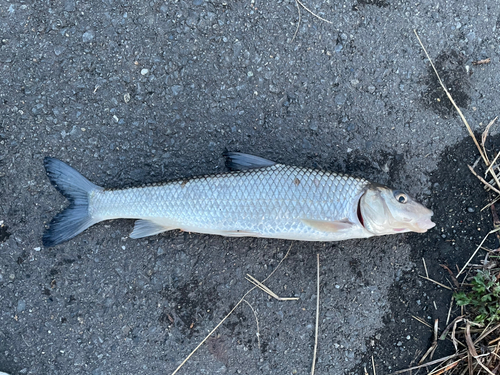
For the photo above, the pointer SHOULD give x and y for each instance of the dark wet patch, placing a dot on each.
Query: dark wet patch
(4, 233)
(217, 346)
(451, 68)
(358, 165)
(379, 3)
(456, 199)
(190, 302)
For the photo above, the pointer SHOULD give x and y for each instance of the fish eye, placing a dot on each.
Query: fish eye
(400, 196)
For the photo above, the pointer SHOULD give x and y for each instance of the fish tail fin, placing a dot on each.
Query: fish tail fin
(75, 218)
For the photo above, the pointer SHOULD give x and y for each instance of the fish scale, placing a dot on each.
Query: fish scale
(265, 202)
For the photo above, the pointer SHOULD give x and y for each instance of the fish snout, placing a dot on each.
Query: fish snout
(424, 224)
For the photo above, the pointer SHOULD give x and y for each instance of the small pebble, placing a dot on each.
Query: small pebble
(470, 209)
(176, 89)
(88, 36)
(58, 50)
(144, 71)
(21, 305)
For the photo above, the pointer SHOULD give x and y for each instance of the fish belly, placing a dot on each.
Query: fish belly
(268, 202)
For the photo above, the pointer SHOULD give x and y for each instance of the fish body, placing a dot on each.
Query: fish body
(259, 198)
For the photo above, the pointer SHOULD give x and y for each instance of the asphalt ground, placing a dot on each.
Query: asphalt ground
(132, 92)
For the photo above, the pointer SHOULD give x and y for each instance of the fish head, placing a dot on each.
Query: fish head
(386, 211)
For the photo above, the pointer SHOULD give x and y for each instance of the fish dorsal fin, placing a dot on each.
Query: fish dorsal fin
(145, 228)
(237, 161)
(328, 226)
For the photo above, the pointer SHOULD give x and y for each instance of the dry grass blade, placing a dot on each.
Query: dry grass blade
(491, 171)
(491, 203)
(486, 131)
(433, 347)
(228, 314)
(453, 102)
(256, 320)
(486, 332)
(373, 366)
(425, 268)
(485, 135)
(447, 368)
(435, 362)
(435, 282)
(494, 341)
(468, 340)
(484, 181)
(264, 288)
(475, 252)
(453, 335)
(317, 316)
(449, 310)
(421, 321)
(453, 278)
(448, 327)
(298, 24)
(314, 14)
(484, 367)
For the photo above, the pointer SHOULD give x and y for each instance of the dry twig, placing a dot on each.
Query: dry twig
(480, 62)
(264, 288)
(317, 316)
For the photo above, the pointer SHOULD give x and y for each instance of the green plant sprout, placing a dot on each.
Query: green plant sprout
(484, 297)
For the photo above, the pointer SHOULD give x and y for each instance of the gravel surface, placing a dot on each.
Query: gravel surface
(129, 92)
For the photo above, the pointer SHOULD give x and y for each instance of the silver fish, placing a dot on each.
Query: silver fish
(259, 198)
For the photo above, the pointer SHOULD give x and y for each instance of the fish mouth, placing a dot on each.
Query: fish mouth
(424, 224)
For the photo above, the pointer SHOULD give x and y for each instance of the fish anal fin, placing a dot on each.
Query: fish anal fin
(328, 226)
(145, 228)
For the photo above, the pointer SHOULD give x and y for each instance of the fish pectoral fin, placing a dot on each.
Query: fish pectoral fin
(145, 228)
(328, 226)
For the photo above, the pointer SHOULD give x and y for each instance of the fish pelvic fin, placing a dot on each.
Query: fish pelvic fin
(75, 218)
(238, 161)
(328, 226)
(149, 227)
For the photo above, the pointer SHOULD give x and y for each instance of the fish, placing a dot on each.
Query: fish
(256, 198)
